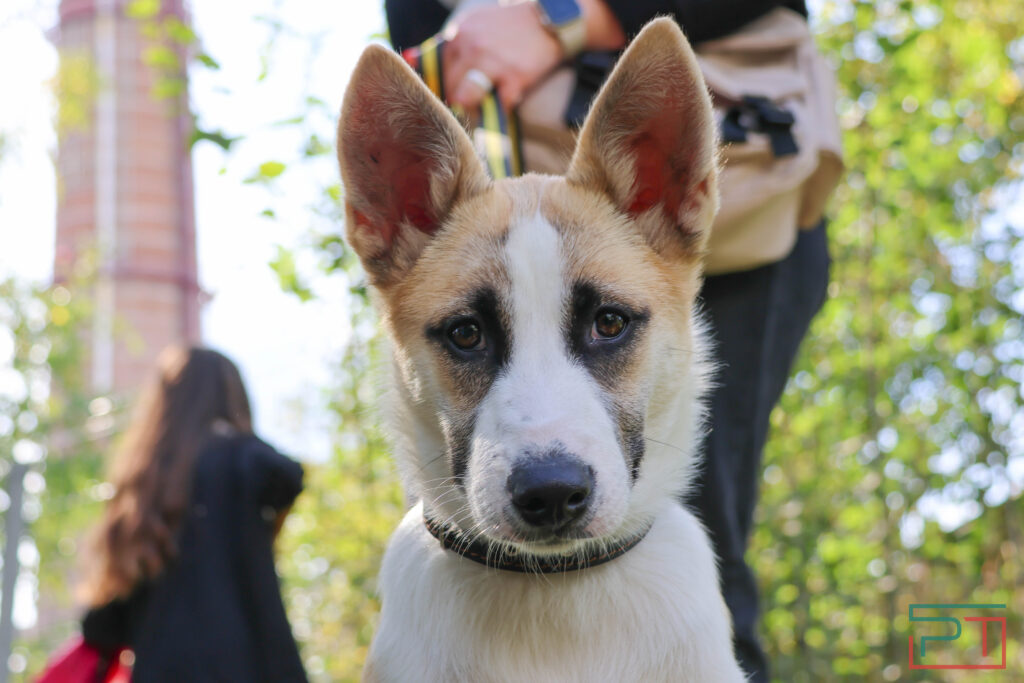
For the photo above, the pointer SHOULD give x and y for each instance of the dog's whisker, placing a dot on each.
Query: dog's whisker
(444, 496)
(425, 465)
(680, 349)
(436, 484)
(665, 444)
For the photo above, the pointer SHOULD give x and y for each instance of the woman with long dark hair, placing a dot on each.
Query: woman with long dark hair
(183, 568)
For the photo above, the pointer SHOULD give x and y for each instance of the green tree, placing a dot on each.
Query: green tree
(894, 470)
(335, 537)
(50, 423)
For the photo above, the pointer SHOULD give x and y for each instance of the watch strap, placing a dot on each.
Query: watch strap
(571, 35)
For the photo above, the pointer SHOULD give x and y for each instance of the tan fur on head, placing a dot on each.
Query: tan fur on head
(405, 162)
(431, 230)
(651, 128)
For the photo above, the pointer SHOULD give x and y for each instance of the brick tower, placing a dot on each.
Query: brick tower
(125, 185)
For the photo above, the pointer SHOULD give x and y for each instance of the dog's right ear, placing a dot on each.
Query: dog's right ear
(405, 162)
(649, 142)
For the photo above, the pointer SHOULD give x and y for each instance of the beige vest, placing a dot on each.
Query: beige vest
(765, 199)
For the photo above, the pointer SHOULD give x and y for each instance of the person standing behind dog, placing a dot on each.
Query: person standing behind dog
(759, 306)
(183, 572)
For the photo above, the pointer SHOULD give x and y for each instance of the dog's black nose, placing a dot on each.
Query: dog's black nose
(551, 492)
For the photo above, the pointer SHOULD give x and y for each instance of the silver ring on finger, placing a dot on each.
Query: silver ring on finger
(480, 79)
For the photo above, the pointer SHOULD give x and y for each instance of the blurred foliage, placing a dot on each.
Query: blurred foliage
(283, 265)
(266, 172)
(334, 538)
(170, 43)
(75, 86)
(49, 422)
(895, 467)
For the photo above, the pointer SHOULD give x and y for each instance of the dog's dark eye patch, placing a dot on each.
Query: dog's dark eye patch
(474, 344)
(601, 331)
(478, 319)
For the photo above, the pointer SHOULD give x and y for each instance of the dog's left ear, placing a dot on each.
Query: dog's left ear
(649, 142)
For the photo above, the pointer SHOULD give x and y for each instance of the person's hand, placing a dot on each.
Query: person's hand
(507, 44)
(507, 47)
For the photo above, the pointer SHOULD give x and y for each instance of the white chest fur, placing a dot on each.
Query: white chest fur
(654, 614)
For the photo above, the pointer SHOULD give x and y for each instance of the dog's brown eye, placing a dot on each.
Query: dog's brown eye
(466, 335)
(608, 325)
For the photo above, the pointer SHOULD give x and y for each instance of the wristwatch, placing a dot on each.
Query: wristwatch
(564, 19)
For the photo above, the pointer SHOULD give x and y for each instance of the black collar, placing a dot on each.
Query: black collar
(486, 553)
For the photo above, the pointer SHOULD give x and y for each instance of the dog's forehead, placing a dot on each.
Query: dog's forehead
(465, 257)
(488, 233)
(599, 244)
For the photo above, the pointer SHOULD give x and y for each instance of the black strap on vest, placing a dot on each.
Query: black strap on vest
(763, 117)
(488, 554)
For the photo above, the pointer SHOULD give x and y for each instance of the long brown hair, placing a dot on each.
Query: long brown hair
(152, 474)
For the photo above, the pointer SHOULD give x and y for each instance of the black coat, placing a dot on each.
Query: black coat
(410, 22)
(216, 613)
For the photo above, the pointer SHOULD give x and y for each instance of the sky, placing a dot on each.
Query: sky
(286, 349)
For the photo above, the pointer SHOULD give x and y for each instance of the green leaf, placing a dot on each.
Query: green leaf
(266, 172)
(294, 120)
(316, 147)
(283, 265)
(169, 88)
(178, 31)
(217, 137)
(208, 61)
(161, 57)
(142, 9)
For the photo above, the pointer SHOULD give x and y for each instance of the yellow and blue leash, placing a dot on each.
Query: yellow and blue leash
(496, 128)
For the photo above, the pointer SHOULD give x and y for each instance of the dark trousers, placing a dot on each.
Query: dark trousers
(758, 318)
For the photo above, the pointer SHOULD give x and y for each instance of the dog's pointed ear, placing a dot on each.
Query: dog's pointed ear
(405, 162)
(649, 142)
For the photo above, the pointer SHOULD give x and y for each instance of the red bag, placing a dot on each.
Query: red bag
(78, 662)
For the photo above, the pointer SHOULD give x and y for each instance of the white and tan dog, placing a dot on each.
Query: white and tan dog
(548, 373)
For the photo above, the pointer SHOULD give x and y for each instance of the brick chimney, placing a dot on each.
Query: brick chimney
(125, 187)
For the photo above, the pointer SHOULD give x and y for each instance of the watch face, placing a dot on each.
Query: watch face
(560, 11)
